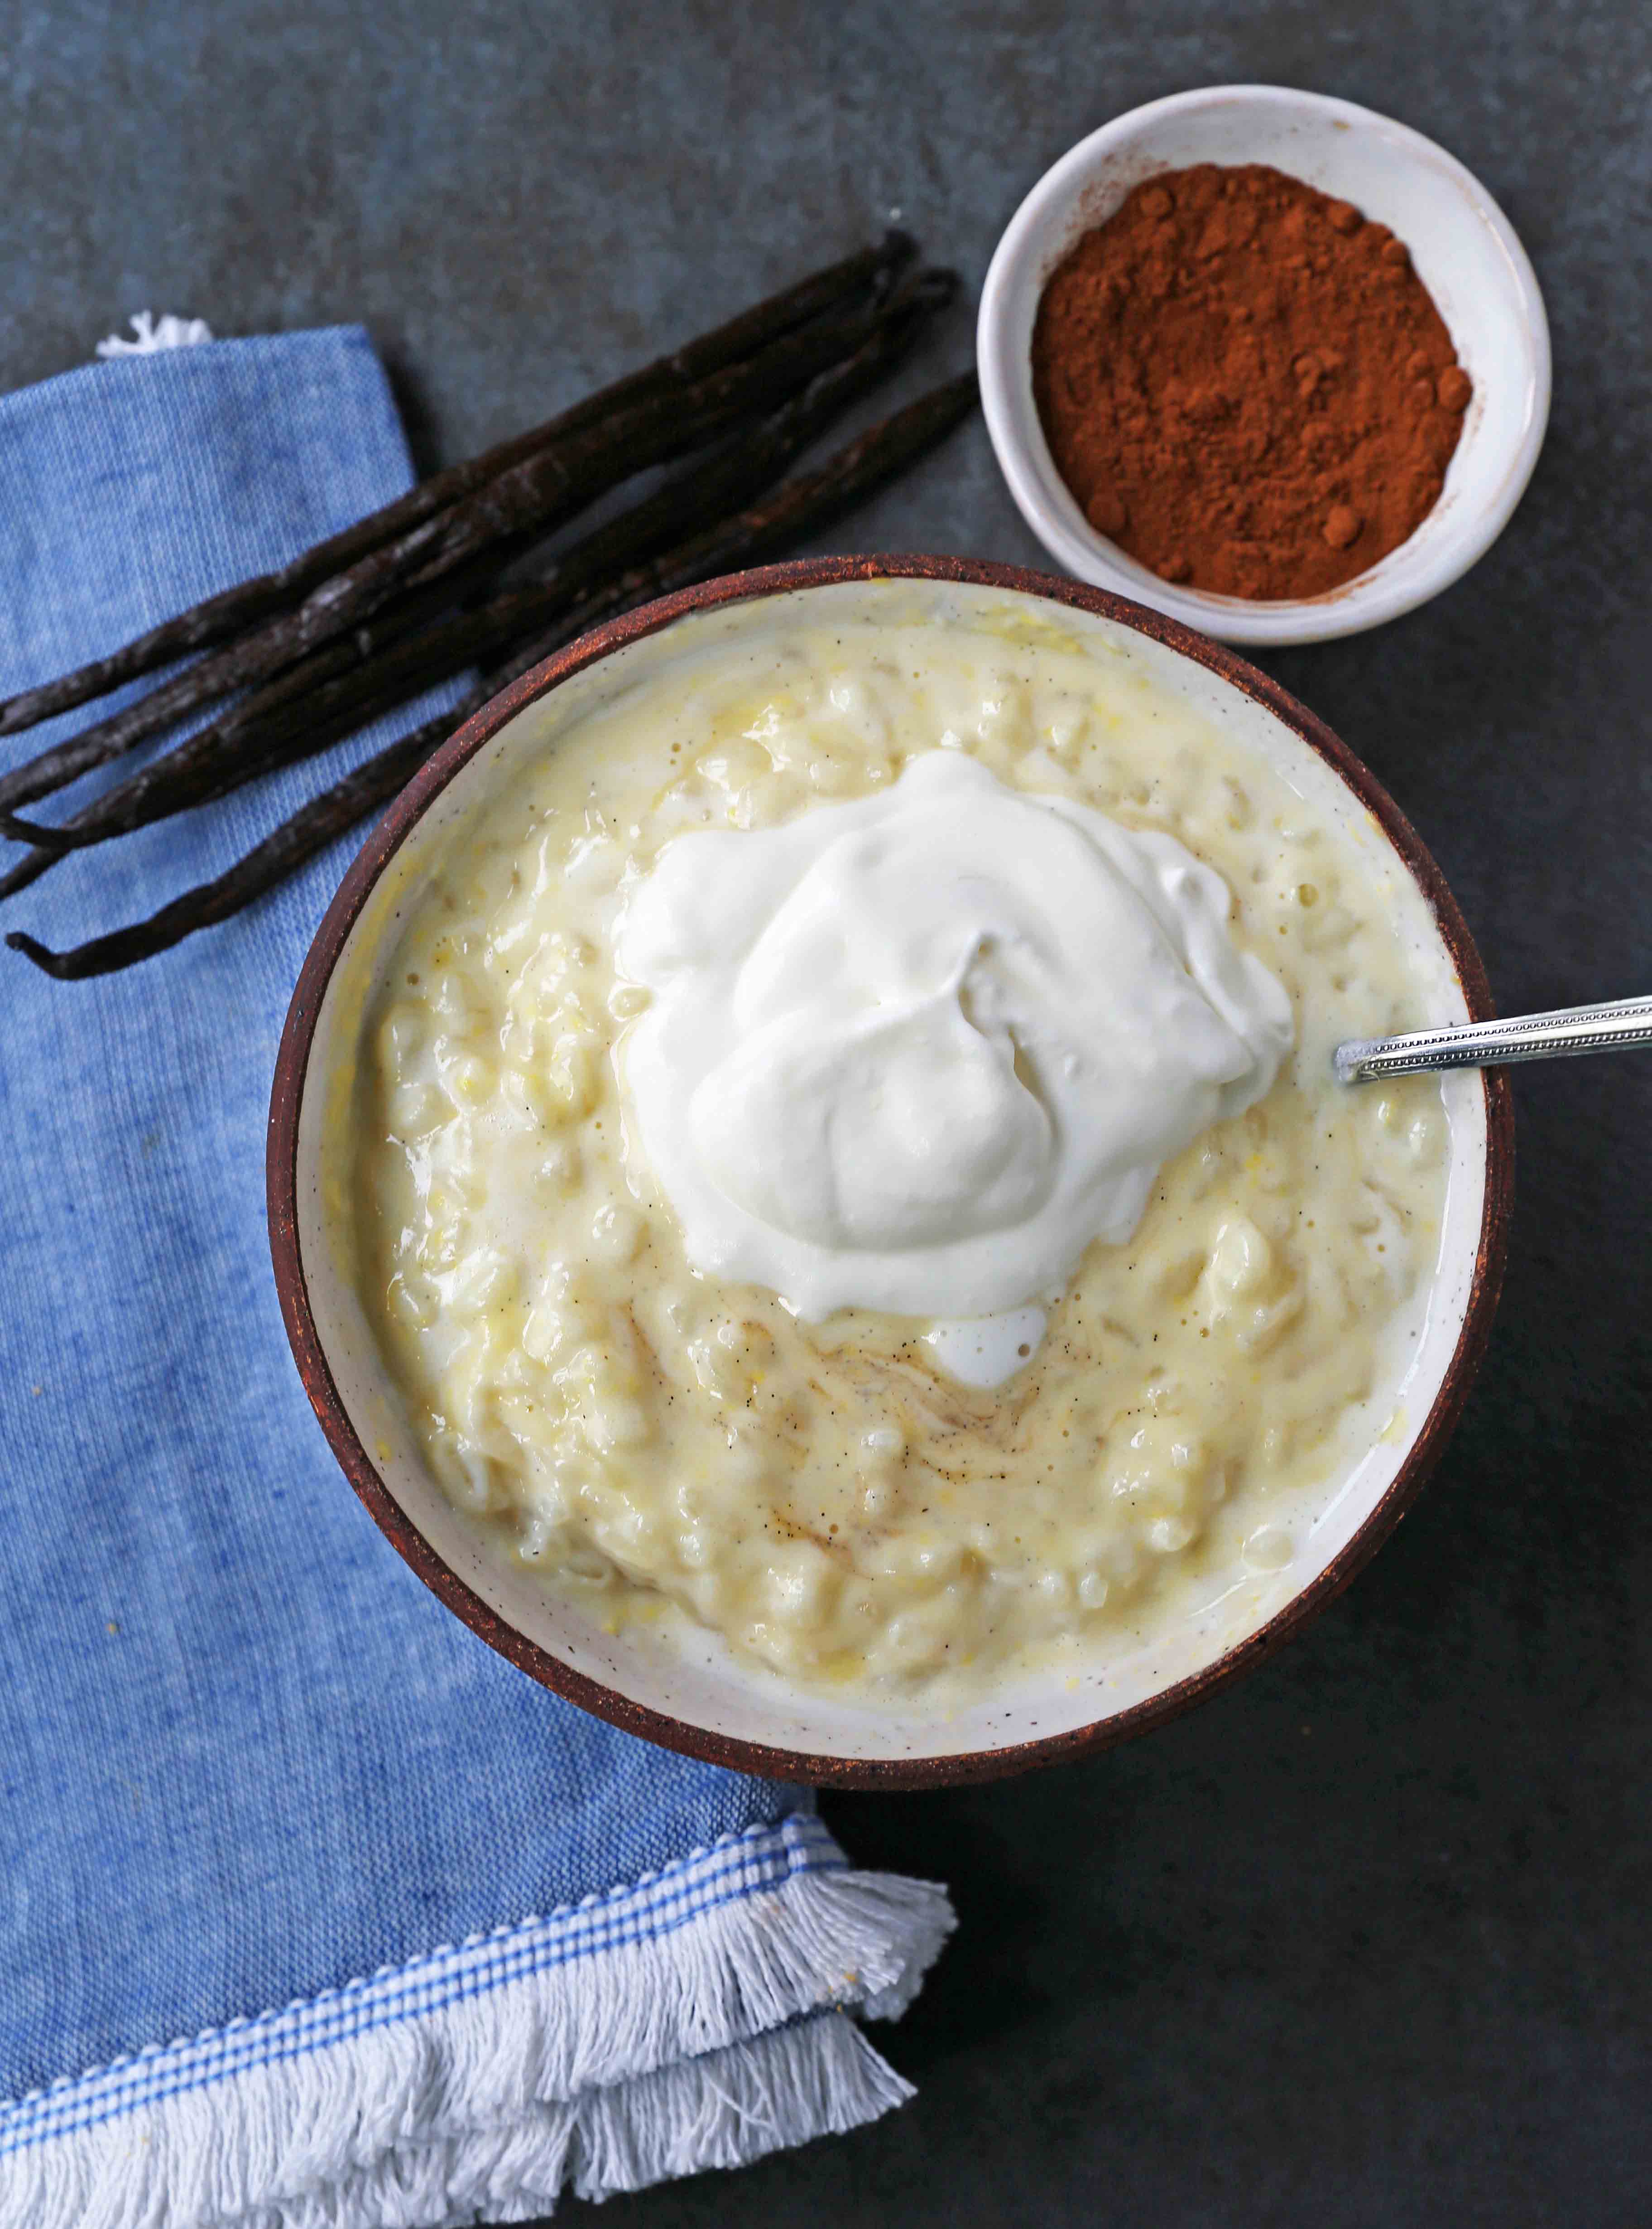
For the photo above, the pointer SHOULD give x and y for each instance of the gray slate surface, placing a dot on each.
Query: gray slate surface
(1365, 1942)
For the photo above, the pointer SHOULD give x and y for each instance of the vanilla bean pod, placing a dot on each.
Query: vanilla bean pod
(799, 506)
(286, 849)
(348, 686)
(412, 615)
(211, 621)
(538, 494)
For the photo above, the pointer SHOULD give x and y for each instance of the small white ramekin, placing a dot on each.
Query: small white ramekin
(1464, 251)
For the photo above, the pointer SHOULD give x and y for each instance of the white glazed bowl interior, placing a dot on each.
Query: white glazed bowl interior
(708, 1688)
(1465, 253)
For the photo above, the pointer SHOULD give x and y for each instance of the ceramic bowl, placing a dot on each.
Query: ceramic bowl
(1464, 251)
(695, 1696)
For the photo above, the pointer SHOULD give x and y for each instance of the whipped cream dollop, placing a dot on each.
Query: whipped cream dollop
(917, 1051)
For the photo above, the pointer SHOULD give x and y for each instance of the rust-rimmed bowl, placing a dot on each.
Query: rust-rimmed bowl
(697, 1696)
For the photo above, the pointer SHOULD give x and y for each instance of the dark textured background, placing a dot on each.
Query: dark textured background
(1364, 1942)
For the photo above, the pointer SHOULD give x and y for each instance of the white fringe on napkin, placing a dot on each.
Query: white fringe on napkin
(697, 2018)
(152, 334)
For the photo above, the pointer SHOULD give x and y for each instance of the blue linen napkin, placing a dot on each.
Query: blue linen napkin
(314, 1914)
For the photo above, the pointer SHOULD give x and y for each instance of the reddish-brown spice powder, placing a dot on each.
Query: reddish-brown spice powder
(1245, 384)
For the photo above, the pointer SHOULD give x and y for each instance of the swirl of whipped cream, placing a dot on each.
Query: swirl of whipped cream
(917, 1051)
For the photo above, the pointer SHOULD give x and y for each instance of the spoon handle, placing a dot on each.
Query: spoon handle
(1482, 1044)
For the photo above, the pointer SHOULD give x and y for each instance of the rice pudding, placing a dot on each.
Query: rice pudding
(1051, 1463)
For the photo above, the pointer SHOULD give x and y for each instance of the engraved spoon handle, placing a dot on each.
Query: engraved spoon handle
(1482, 1044)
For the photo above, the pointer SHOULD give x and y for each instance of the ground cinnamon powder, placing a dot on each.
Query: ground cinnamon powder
(1246, 385)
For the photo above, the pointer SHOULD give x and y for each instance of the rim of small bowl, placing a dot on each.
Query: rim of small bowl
(1282, 621)
(761, 1759)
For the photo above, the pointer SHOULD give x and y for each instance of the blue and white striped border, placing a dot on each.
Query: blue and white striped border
(763, 1857)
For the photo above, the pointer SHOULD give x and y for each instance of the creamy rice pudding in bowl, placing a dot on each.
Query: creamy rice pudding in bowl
(807, 1190)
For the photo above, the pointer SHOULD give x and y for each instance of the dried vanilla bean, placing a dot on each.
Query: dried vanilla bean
(799, 506)
(314, 703)
(534, 495)
(211, 621)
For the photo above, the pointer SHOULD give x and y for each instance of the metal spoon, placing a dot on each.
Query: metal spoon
(1485, 1044)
